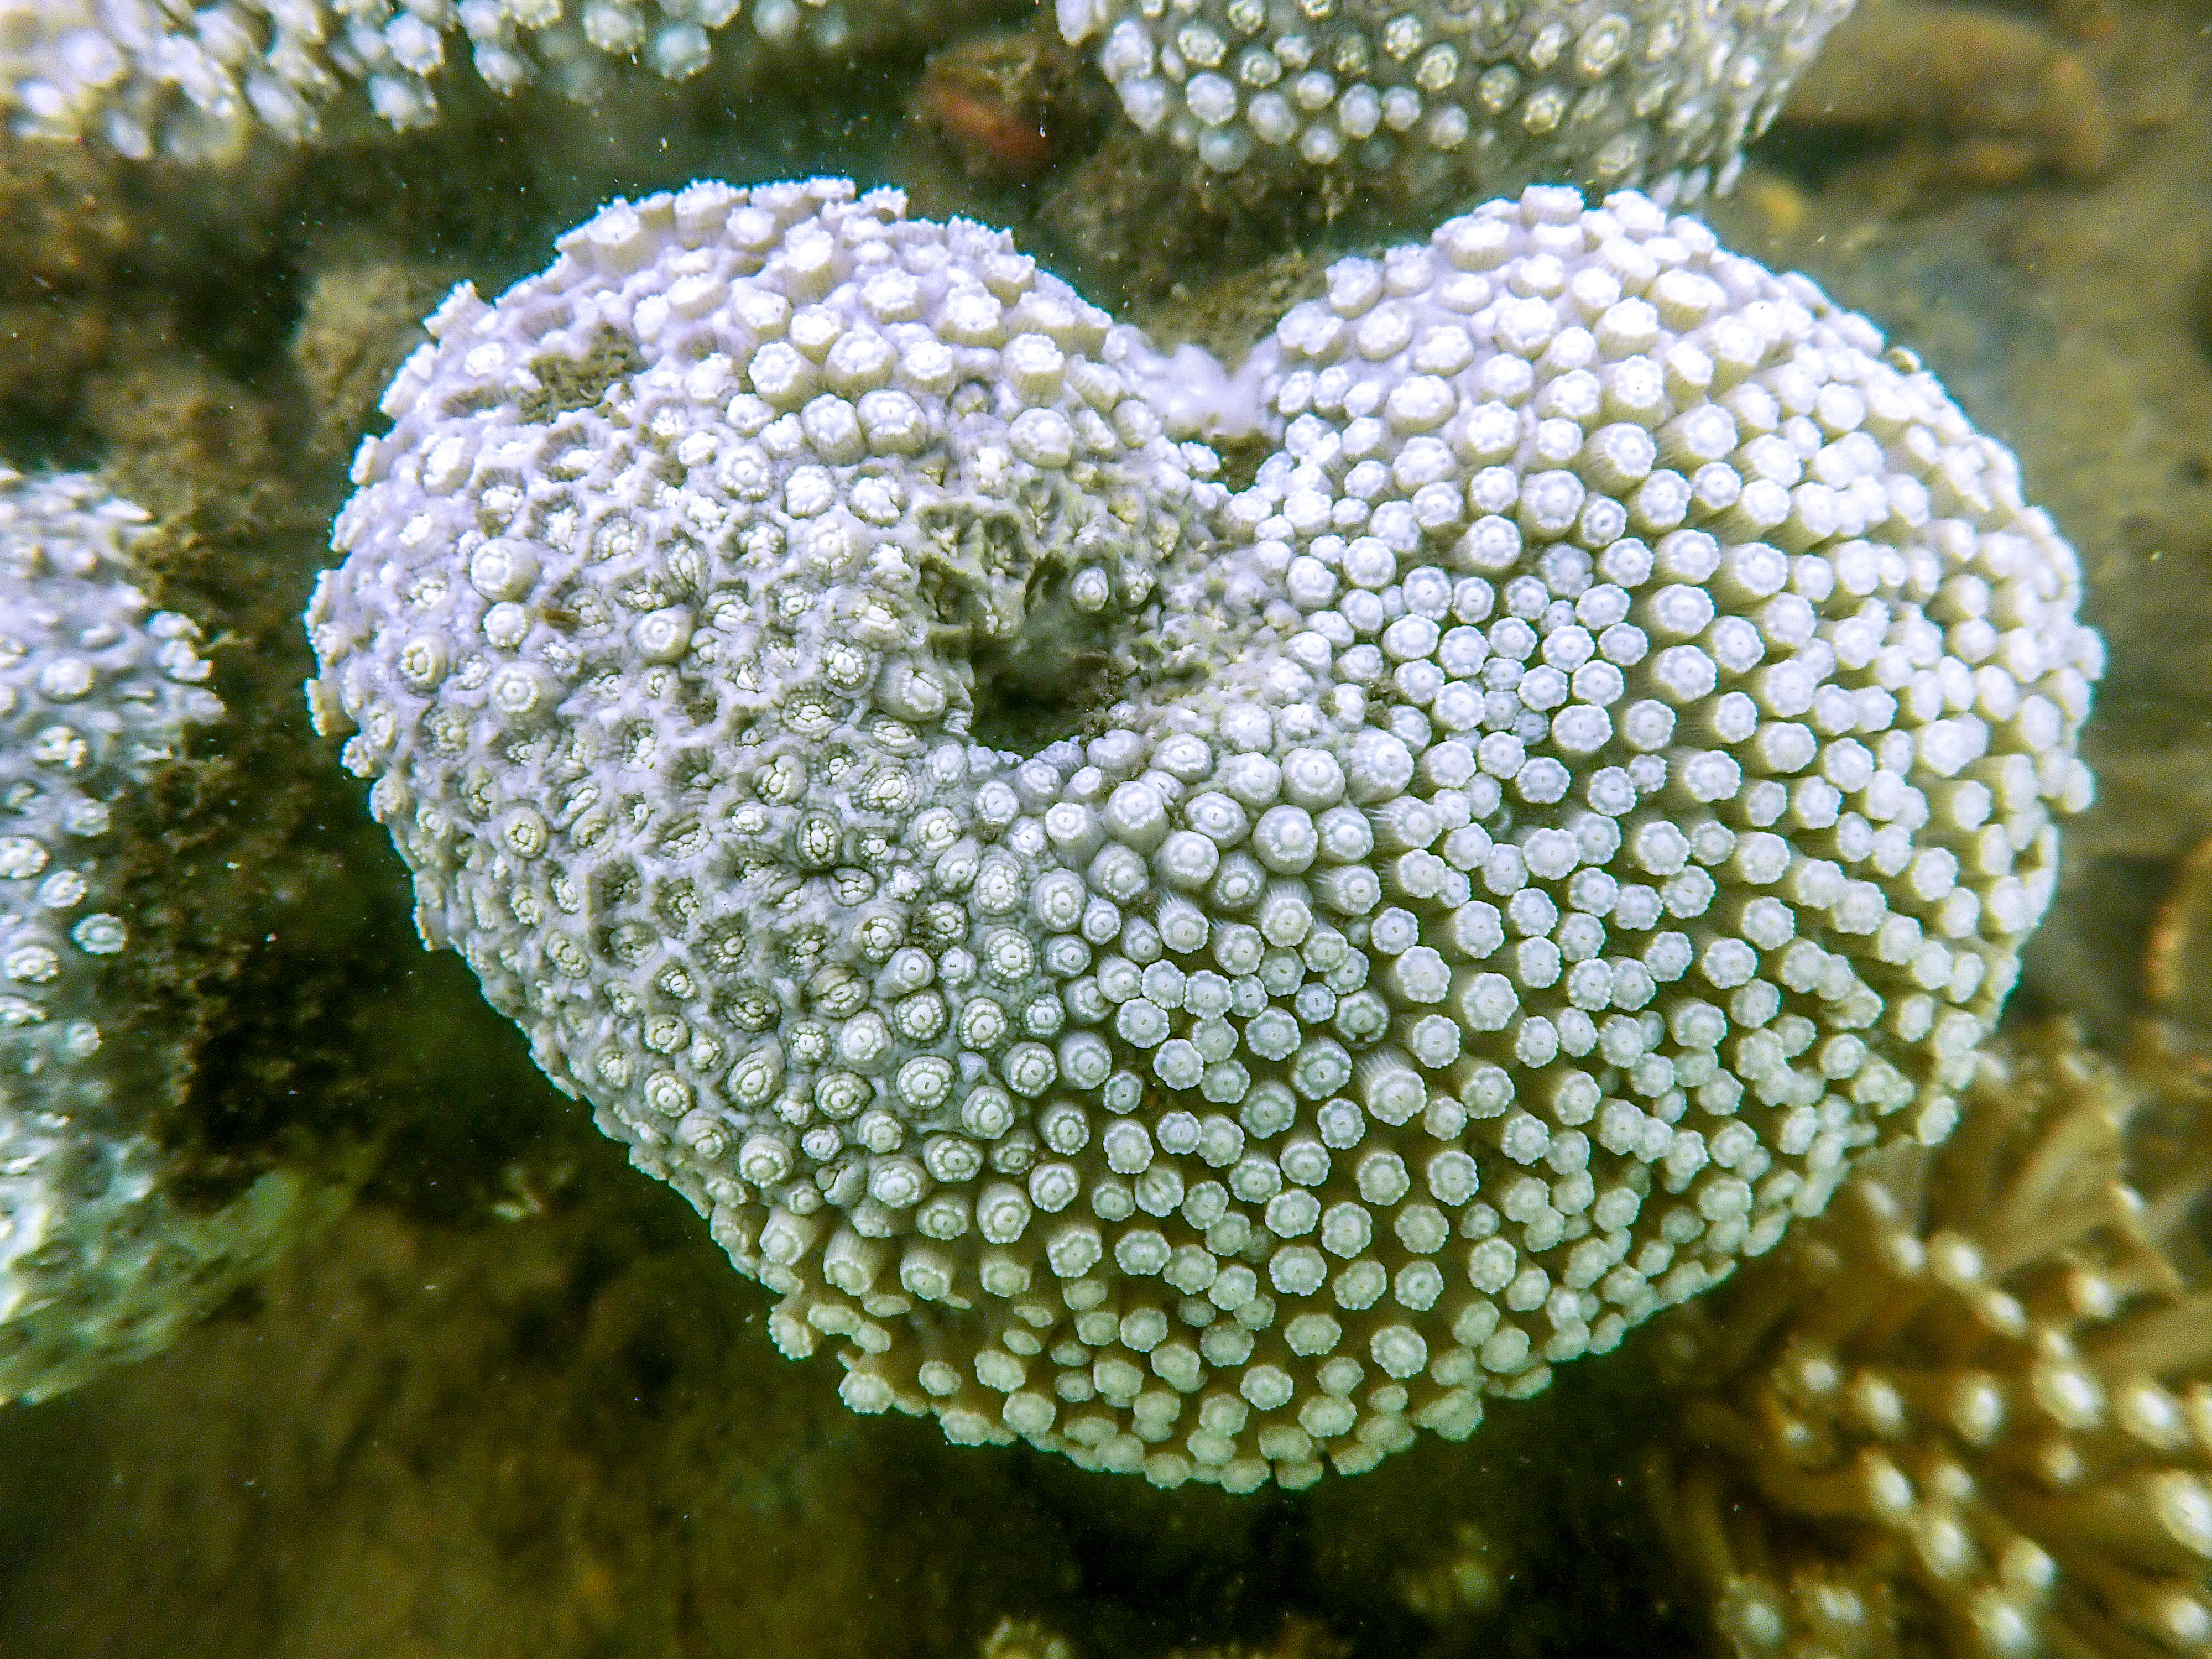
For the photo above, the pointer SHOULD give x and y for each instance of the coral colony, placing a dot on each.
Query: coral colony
(1210, 981)
(1970, 1399)
(99, 694)
(1458, 96)
(143, 79)
(1447, 99)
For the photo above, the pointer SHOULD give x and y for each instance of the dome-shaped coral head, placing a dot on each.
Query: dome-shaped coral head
(1596, 780)
(1436, 99)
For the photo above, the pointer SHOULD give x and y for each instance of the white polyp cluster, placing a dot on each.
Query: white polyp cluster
(1460, 97)
(1974, 1398)
(1595, 779)
(97, 693)
(144, 77)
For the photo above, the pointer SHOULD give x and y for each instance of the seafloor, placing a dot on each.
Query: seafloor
(516, 1403)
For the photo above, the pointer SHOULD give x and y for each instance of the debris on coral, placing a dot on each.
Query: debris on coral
(1971, 1409)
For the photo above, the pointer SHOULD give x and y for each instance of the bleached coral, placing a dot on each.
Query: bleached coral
(144, 77)
(1968, 1411)
(1464, 926)
(100, 1258)
(1465, 96)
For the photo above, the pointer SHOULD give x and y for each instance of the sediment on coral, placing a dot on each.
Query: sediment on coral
(1209, 984)
(1970, 1410)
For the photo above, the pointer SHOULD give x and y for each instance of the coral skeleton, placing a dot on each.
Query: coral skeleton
(1209, 983)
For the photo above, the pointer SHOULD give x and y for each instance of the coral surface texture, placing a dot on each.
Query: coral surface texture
(1461, 96)
(1210, 981)
(141, 77)
(98, 692)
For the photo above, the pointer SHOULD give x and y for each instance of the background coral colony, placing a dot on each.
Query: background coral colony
(1218, 916)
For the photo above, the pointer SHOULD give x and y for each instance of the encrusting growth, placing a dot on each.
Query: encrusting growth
(1967, 1411)
(1473, 887)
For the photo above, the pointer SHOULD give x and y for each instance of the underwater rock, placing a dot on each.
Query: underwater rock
(560, 1434)
(357, 325)
(1209, 983)
(1007, 103)
(1999, 94)
(66, 233)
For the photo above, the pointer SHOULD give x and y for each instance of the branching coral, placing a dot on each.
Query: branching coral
(1970, 1410)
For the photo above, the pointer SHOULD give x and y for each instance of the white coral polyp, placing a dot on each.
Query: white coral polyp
(1453, 97)
(1593, 783)
(100, 1260)
(144, 79)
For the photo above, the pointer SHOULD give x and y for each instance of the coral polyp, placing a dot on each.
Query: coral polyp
(1209, 983)
(1445, 100)
(1974, 1401)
